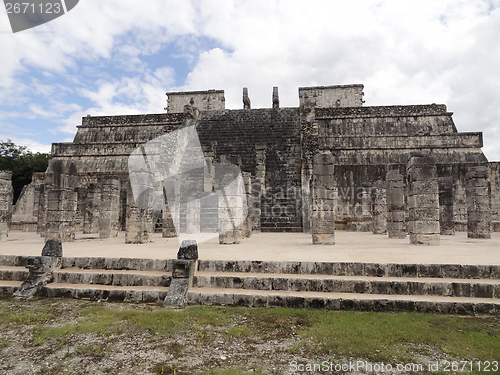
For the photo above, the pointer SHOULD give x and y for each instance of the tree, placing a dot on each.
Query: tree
(22, 162)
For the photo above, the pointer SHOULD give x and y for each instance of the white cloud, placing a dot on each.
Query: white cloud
(32, 145)
(404, 52)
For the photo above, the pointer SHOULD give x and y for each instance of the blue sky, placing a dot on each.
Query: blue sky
(111, 57)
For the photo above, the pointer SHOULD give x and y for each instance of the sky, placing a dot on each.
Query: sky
(116, 57)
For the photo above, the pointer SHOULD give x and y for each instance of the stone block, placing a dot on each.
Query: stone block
(236, 282)
(224, 299)
(424, 307)
(461, 289)
(430, 270)
(398, 288)
(277, 301)
(333, 304)
(464, 308)
(375, 269)
(243, 300)
(484, 308)
(260, 301)
(481, 290)
(315, 285)
(116, 295)
(439, 289)
(323, 239)
(250, 283)
(383, 305)
(349, 304)
(294, 268)
(445, 308)
(298, 285)
(423, 227)
(188, 250)
(416, 288)
(315, 302)
(424, 239)
(280, 283)
(379, 287)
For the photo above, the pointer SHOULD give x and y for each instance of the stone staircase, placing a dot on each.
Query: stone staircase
(451, 289)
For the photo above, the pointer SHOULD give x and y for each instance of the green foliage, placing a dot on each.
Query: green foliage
(22, 162)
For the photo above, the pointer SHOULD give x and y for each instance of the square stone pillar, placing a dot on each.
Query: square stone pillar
(322, 212)
(446, 215)
(62, 201)
(109, 207)
(168, 229)
(478, 203)
(42, 209)
(139, 227)
(395, 200)
(91, 213)
(246, 226)
(230, 212)
(6, 201)
(379, 204)
(423, 201)
(258, 185)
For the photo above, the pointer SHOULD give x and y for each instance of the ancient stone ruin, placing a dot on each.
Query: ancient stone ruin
(328, 164)
(6, 197)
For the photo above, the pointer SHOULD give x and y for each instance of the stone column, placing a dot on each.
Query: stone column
(230, 210)
(139, 227)
(259, 185)
(379, 204)
(246, 99)
(276, 98)
(395, 199)
(42, 209)
(446, 216)
(109, 207)
(91, 214)
(478, 203)
(6, 201)
(322, 213)
(168, 229)
(423, 201)
(246, 226)
(61, 202)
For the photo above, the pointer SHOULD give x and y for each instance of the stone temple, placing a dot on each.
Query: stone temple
(329, 164)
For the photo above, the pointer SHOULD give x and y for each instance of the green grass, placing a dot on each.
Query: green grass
(377, 337)
(388, 337)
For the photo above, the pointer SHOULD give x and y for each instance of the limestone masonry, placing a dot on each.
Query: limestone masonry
(329, 164)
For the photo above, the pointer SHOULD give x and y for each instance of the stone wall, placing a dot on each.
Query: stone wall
(274, 147)
(332, 96)
(203, 100)
(6, 199)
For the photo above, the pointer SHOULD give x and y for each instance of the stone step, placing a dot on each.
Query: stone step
(8, 287)
(112, 277)
(93, 292)
(342, 301)
(108, 293)
(477, 288)
(453, 271)
(139, 264)
(12, 273)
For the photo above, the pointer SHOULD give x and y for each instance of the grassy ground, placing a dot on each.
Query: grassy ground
(54, 336)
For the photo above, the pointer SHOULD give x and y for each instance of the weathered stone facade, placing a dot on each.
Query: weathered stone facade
(478, 203)
(6, 197)
(396, 227)
(61, 202)
(275, 148)
(423, 201)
